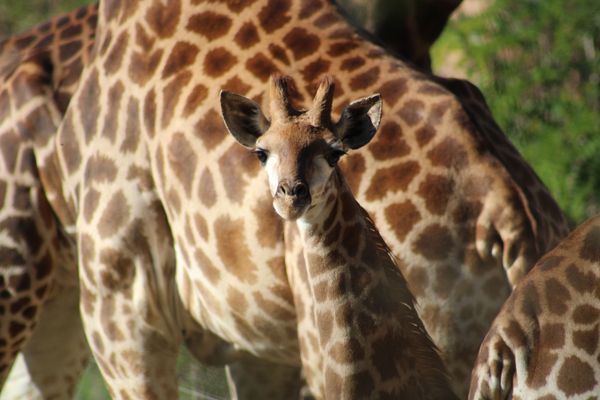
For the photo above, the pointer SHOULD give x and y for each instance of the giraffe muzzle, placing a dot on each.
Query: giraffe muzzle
(292, 199)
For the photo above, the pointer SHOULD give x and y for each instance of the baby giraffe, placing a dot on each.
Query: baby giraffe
(371, 343)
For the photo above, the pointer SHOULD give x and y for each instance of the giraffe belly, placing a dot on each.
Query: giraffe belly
(238, 319)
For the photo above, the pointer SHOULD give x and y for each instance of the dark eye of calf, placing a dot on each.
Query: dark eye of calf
(334, 156)
(261, 155)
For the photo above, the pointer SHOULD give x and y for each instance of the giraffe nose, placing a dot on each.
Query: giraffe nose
(298, 189)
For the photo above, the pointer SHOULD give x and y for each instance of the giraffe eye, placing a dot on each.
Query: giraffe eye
(261, 155)
(334, 156)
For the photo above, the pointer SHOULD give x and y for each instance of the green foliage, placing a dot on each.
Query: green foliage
(17, 15)
(538, 64)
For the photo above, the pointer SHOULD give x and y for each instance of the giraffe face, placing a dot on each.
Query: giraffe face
(299, 149)
(299, 160)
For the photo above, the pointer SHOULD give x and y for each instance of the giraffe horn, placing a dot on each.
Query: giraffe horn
(280, 106)
(320, 112)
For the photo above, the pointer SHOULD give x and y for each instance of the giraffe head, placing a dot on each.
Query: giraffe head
(300, 149)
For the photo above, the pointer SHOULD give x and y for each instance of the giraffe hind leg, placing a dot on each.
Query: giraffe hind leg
(52, 360)
(27, 269)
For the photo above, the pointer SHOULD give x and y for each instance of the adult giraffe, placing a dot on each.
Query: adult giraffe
(445, 189)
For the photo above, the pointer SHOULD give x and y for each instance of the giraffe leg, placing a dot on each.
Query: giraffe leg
(254, 378)
(129, 303)
(51, 362)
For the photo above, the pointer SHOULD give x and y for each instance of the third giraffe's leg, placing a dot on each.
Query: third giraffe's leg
(27, 265)
(53, 359)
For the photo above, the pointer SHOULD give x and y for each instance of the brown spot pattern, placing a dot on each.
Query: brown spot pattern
(68, 50)
(115, 56)
(209, 270)
(279, 53)
(575, 377)
(392, 179)
(234, 163)
(171, 94)
(206, 189)
(233, 250)
(352, 63)
(111, 120)
(449, 153)
(585, 314)
(163, 18)
(412, 112)
(115, 215)
(590, 249)
(315, 69)
(392, 91)
(90, 203)
(209, 24)
(88, 101)
(150, 112)
(353, 167)
(269, 230)
(194, 99)
(402, 217)
(434, 243)
(436, 190)
(131, 140)
(236, 85)
(365, 79)
(218, 61)
(301, 42)
(557, 296)
(182, 55)
(183, 161)
(247, 36)
(389, 143)
(69, 145)
(211, 129)
(261, 67)
(274, 15)
(142, 65)
(100, 169)
(586, 339)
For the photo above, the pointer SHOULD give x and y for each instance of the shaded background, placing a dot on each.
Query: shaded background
(536, 61)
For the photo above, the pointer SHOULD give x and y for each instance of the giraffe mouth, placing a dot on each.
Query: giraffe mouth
(291, 207)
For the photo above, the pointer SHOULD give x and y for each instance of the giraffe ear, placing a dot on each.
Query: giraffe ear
(359, 121)
(243, 118)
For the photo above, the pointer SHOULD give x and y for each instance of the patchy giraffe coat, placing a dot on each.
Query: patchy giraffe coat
(545, 341)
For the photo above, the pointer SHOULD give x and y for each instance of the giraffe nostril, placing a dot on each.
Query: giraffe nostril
(300, 190)
(283, 189)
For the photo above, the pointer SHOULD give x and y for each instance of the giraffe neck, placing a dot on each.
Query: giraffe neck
(376, 342)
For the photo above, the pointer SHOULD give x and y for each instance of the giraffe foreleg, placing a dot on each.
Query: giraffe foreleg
(493, 373)
(129, 303)
(505, 235)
